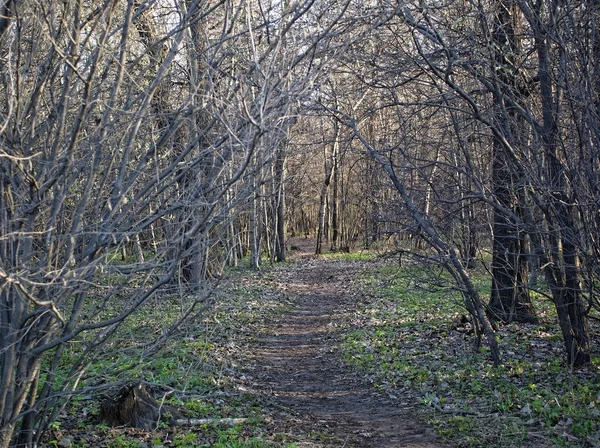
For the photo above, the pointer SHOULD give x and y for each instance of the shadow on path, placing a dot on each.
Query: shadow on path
(298, 367)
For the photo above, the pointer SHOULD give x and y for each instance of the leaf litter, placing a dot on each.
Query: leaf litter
(338, 352)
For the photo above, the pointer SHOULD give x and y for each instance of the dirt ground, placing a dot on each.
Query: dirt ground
(307, 394)
(297, 366)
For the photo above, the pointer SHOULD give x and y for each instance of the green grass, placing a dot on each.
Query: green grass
(411, 339)
(195, 371)
(360, 255)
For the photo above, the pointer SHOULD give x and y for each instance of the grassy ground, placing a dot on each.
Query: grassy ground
(407, 336)
(413, 337)
(196, 372)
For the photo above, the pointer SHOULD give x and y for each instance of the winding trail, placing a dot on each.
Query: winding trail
(297, 366)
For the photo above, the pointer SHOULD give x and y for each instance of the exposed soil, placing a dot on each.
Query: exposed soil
(269, 353)
(307, 394)
(297, 365)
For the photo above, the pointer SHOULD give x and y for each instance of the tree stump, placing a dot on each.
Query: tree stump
(135, 407)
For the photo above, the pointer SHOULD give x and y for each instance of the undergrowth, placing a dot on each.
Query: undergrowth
(412, 339)
(409, 336)
(195, 371)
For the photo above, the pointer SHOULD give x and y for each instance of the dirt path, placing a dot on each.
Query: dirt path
(297, 366)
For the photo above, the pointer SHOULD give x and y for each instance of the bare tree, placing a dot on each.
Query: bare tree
(122, 123)
(329, 148)
(499, 77)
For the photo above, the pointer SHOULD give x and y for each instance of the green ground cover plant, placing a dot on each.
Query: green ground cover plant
(409, 336)
(194, 370)
(412, 337)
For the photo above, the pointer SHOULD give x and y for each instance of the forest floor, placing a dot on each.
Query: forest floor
(268, 352)
(341, 350)
(297, 365)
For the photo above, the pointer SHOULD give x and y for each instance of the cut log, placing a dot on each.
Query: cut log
(210, 421)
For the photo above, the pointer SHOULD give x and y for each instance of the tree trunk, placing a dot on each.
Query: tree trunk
(510, 299)
(254, 230)
(335, 201)
(280, 250)
(322, 209)
(321, 226)
(563, 273)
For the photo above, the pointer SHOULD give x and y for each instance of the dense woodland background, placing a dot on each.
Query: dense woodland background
(147, 145)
